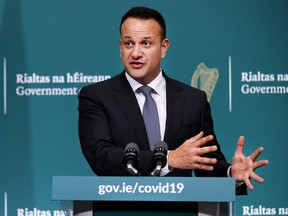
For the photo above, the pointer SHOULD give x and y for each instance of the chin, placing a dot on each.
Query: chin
(137, 73)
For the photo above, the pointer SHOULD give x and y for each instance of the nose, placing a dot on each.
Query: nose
(136, 52)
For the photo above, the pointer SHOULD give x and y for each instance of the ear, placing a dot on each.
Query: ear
(164, 47)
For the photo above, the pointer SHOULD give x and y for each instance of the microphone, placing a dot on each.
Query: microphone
(130, 159)
(159, 159)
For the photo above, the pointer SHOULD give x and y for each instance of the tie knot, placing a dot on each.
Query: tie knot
(146, 90)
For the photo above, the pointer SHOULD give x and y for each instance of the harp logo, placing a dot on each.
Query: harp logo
(205, 78)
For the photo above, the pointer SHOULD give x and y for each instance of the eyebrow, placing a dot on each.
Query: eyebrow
(129, 37)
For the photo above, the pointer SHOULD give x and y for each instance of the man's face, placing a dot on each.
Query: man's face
(142, 48)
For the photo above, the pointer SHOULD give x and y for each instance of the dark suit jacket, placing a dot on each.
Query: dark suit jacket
(110, 118)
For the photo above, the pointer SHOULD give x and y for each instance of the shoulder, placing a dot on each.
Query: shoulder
(102, 84)
(183, 88)
(115, 82)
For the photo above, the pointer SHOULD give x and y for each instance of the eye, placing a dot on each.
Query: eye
(146, 43)
(128, 44)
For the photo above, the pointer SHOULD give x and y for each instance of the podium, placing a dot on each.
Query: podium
(85, 195)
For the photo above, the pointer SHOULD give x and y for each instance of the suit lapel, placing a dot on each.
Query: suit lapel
(129, 106)
(175, 103)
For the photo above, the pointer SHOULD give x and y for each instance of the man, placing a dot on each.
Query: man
(110, 113)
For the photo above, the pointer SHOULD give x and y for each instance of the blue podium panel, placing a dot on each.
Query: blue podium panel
(179, 189)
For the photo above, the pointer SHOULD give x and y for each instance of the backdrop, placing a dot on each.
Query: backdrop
(235, 50)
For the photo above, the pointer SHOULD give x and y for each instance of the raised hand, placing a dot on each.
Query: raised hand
(242, 167)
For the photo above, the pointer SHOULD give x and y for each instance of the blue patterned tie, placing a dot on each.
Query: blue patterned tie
(150, 116)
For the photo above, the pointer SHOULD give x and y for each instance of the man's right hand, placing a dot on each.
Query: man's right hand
(189, 154)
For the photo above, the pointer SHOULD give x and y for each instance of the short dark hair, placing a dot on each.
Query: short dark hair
(145, 13)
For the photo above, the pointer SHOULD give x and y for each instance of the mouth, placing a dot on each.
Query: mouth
(136, 65)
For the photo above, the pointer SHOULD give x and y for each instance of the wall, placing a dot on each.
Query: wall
(47, 47)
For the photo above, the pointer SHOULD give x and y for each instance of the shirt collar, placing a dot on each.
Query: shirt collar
(156, 84)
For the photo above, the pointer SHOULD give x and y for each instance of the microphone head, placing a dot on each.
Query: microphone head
(131, 147)
(161, 146)
(160, 154)
(131, 154)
